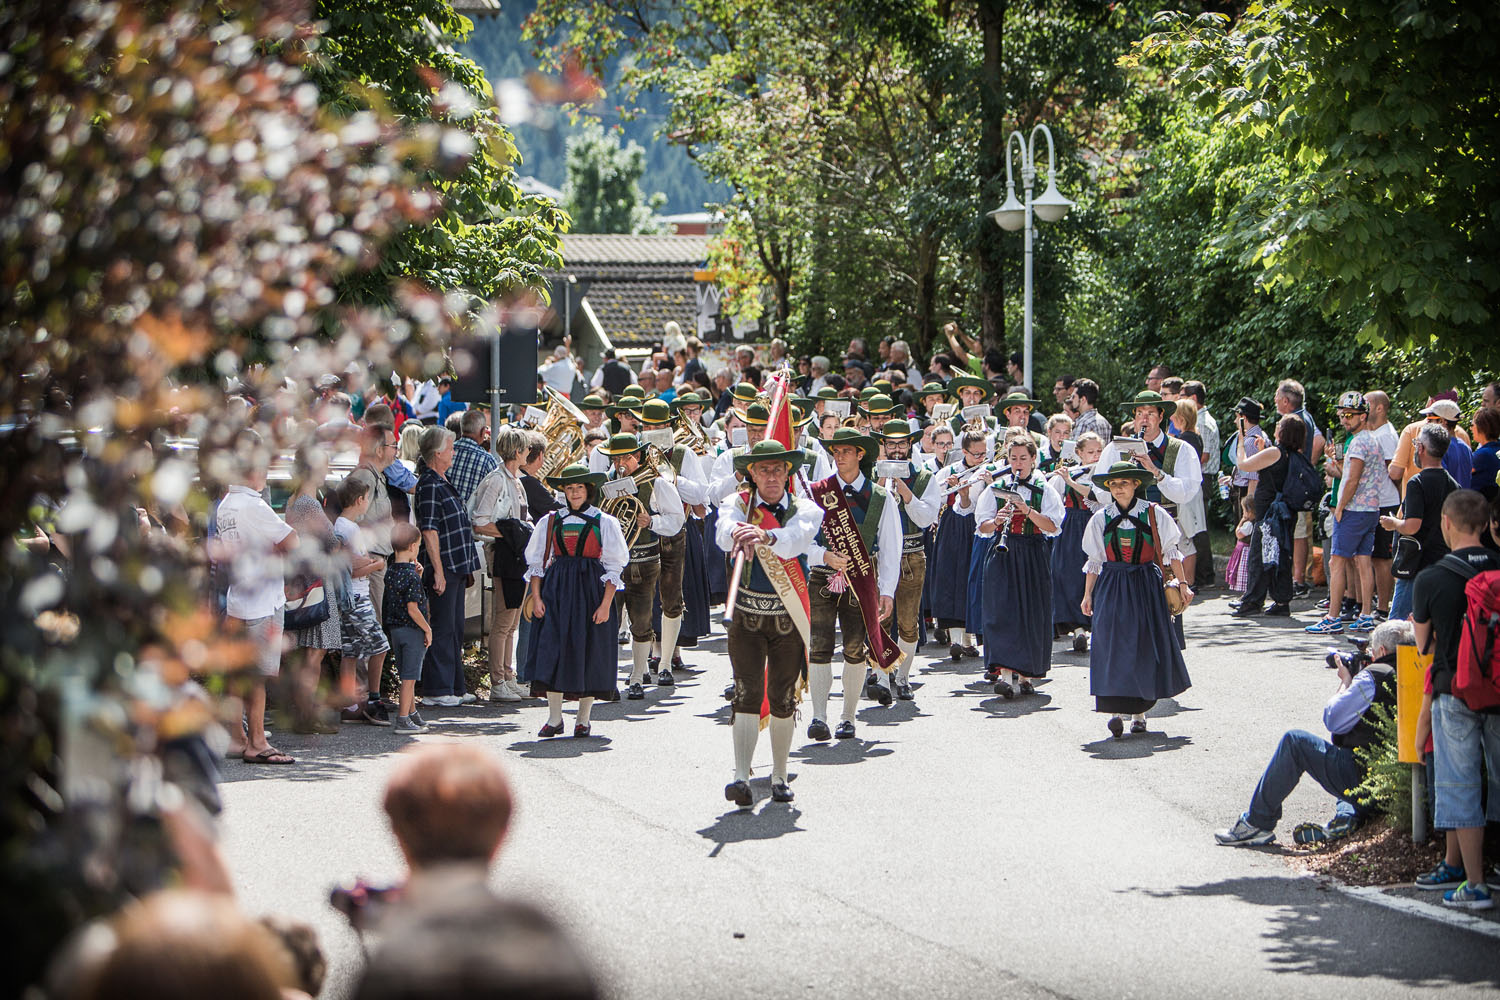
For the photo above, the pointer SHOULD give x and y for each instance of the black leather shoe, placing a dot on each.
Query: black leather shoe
(729, 693)
(1080, 643)
(580, 731)
(652, 663)
(991, 676)
(664, 678)
(548, 731)
(738, 792)
(781, 792)
(871, 685)
(1116, 727)
(1025, 687)
(1004, 690)
(636, 692)
(614, 695)
(1247, 611)
(940, 637)
(818, 730)
(971, 651)
(677, 663)
(845, 731)
(903, 691)
(1234, 605)
(1278, 611)
(1138, 726)
(955, 650)
(882, 694)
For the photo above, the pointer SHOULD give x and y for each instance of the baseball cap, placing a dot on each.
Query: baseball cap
(1353, 400)
(1445, 409)
(1249, 408)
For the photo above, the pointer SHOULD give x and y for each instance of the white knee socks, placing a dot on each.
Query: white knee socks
(854, 684)
(639, 652)
(585, 706)
(746, 732)
(908, 654)
(554, 708)
(820, 683)
(781, 745)
(671, 628)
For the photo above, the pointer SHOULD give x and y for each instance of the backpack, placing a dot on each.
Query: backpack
(1477, 680)
(1303, 486)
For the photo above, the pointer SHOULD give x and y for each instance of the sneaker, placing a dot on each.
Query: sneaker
(468, 698)
(408, 725)
(1137, 726)
(1309, 833)
(375, 713)
(1444, 876)
(1364, 623)
(446, 701)
(353, 713)
(1469, 897)
(1321, 605)
(1349, 613)
(1302, 590)
(503, 691)
(1326, 626)
(417, 718)
(1243, 834)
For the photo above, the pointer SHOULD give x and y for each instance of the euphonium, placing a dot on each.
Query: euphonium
(691, 433)
(628, 506)
(563, 429)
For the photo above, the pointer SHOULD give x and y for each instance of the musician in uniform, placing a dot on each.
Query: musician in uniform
(768, 628)
(1015, 413)
(1176, 471)
(955, 543)
(1135, 657)
(624, 418)
(593, 408)
(928, 397)
(660, 515)
(833, 600)
(691, 485)
(877, 410)
(970, 390)
(1072, 483)
(919, 496)
(1017, 576)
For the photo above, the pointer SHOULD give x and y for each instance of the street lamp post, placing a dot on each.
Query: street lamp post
(1012, 215)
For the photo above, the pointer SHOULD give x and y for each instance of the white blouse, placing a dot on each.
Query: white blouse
(1165, 530)
(614, 554)
(988, 505)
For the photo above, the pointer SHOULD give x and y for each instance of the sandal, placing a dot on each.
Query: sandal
(270, 755)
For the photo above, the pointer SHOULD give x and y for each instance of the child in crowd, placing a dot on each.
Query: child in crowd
(1067, 549)
(363, 640)
(405, 613)
(1237, 573)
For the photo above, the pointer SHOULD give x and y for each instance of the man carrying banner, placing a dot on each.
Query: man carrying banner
(769, 532)
(919, 497)
(860, 522)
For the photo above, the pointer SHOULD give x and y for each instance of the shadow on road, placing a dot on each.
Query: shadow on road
(1168, 707)
(1132, 747)
(775, 819)
(1023, 705)
(842, 751)
(897, 712)
(1318, 931)
(561, 747)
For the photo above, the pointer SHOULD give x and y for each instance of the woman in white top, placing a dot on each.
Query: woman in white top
(498, 510)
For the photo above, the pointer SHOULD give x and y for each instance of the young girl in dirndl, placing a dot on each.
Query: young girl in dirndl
(574, 560)
(1017, 573)
(1072, 483)
(1135, 658)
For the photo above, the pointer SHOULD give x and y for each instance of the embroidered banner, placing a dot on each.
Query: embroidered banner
(842, 533)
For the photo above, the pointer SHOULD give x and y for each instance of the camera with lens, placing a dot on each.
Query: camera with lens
(1354, 660)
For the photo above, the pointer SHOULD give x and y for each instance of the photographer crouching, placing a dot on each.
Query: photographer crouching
(1367, 677)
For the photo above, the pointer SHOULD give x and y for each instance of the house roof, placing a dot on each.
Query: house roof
(636, 283)
(583, 249)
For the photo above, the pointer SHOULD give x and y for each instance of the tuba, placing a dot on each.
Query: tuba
(563, 429)
(691, 433)
(628, 506)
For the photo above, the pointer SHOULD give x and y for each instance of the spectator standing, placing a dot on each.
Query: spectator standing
(1247, 425)
(377, 451)
(692, 366)
(613, 375)
(1421, 510)
(561, 371)
(1084, 395)
(819, 372)
(1270, 465)
(501, 513)
(1489, 397)
(446, 405)
(424, 402)
(472, 460)
(1356, 515)
(315, 558)
(1192, 517)
(1460, 735)
(1404, 465)
(1486, 463)
(449, 560)
(408, 620)
(364, 644)
(1062, 391)
(1208, 429)
(1290, 397)
(1459, 461)
(1390, 498)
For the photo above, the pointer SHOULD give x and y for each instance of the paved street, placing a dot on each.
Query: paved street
(961, 846)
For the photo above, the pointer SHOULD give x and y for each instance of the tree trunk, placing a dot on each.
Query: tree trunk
(990, 249)
(929, 245)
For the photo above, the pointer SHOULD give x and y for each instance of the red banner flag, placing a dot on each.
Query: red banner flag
(779, 426)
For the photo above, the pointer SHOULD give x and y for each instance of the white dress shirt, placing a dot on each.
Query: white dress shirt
(923, 509)
(692, 484)
(887, 542)
(988, 505)
(613, 554)
(1164, 528)
(794, 538)
(1180, 487)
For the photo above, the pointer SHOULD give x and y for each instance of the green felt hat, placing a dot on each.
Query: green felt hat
(933, 388)
(688, 397)
(1122, 470)
(656, 412)
(851, 435)
(755, 414)
(578, 473)
(1015, 398)
(769, 451)
(898, 429)
(633, 403)
(958, 382)
(592, 402)
(880, 405)
(633, 391)
(867, 392)
(745, 392)
(1148, 398)
(621, 444)
(828, 392)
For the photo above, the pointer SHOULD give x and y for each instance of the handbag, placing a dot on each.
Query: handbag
(306, 603)
(1406, 557)
(1170, 587)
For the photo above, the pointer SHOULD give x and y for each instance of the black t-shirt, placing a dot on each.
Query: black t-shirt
(1437, 598)
(1424, 498)
(1268, 486)
(539, 499)
(403, 584)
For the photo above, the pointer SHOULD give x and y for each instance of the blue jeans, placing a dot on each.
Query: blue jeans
(523, 640)
(1401, 601)
(1460, 737)
(1299, 753)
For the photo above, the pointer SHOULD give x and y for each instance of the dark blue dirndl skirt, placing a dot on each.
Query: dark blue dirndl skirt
(948, 569)
(715, 561)
(974, 618)
(694, 589)
(929, 548)
(1018, 606)
(1067, 570)
(1135, 658)
(568, 652)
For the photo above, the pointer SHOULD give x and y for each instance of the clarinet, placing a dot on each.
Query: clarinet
(1004, 534)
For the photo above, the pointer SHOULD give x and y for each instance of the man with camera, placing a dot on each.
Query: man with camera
(1367, 677)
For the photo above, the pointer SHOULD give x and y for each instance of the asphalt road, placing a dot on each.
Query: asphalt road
(960, 846)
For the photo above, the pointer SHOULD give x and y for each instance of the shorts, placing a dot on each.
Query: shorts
(1384, 539)
(360, 630)
(409, 646)
(1354, 533)
(1302, 525)
(1460, 736)
(266, 634)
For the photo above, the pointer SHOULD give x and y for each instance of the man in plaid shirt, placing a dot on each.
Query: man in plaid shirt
(472, 461)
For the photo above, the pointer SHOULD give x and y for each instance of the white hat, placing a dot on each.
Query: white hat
(1446, 409)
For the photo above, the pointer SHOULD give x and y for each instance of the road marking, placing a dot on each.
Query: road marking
(1402, 904)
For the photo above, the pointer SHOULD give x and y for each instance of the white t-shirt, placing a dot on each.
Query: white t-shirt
(353, 539)
(1386, 436)
(250, 531)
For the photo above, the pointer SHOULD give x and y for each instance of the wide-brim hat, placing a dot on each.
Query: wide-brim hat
(769, 451)
(1122, 470)
(850, 435)
(621, 444)
(655, 411)
(898, 429)
(1147, 397)
(827, 392)
(593, 402)
(745, 392)
(632, 403)
(574, 474)
(958, 382)
(1016, 399)
(933, 389)
(756, 414)
(633, 391)
(688, 398)
(879, 405)
(885, 386)
(868, 392)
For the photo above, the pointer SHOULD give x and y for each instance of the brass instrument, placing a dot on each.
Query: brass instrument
(626, 507)
(563, 429)
(690, 432)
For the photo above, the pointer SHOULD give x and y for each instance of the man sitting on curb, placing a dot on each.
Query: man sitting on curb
(1331, 764)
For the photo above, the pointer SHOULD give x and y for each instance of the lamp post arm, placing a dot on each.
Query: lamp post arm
(1051, 151)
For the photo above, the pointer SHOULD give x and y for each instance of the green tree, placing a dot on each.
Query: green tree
(1385, 118)
(603, 190)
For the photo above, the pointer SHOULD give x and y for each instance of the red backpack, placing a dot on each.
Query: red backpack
(1477, 681)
